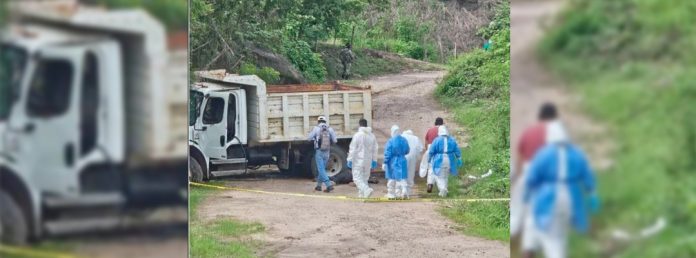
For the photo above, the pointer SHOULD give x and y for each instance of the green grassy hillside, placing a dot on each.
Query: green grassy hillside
(632, 61)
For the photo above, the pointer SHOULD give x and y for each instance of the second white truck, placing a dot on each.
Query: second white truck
(238, 122)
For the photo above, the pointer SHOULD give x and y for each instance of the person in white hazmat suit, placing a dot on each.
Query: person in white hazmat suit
(415, 149)
(445, 157)
(362, 158)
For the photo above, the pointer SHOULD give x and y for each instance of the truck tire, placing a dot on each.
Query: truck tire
(337, 162)
(195, 170)
(13, 224)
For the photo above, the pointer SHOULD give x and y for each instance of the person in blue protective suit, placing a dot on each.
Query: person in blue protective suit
(395, 166)
(323, 137)
(560, 191)
(445, 157)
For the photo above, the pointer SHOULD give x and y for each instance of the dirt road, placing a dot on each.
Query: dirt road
(312, 227)
(533, 84)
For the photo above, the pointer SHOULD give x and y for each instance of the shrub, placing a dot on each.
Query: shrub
(309, 63)
(267, 74)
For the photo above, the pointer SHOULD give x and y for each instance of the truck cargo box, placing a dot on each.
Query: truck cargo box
(280, 113)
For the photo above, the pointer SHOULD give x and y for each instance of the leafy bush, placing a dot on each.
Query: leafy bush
(309, 63)
(267, 74)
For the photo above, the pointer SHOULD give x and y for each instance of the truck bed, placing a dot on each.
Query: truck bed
(292, 110)
(282, 113)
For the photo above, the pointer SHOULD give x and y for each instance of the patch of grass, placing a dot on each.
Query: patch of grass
(47, 246)
(495, 224)
(224, 238)
(220, 237)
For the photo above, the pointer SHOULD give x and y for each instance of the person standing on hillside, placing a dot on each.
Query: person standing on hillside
(430, 135)
(362, 157)
(323, 136)
(415, 149)
(445, 157)
(347, 57)
(395, 165)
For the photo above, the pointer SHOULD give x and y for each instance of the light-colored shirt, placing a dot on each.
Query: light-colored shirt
(316, 133)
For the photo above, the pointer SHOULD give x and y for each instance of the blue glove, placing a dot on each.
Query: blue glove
(594, 203)
(374, 164)
(350, 164)
(460, 162)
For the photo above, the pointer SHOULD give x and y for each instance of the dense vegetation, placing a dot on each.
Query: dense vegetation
(633, 62)
(477, 90)
(291, 36)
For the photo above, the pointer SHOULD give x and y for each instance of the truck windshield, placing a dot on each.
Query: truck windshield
(13, 61)
(196, 98)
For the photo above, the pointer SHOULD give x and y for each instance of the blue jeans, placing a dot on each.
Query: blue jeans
(322, 157)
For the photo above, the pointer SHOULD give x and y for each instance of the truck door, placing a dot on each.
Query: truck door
(52, 119)
(214, 119)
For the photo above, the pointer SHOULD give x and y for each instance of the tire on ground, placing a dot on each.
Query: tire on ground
(338, 155)
(15, 230)
(195, 170)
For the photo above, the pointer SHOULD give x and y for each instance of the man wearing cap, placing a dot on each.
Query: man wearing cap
(323, 136)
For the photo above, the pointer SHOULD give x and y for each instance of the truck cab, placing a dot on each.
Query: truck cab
(64, 159)
(217, 126)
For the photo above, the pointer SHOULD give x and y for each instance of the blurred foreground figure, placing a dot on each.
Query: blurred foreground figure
(533, 139)
(557, 187)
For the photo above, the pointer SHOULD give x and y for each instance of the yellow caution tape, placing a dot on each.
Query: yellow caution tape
(29, 252)
(350, 198)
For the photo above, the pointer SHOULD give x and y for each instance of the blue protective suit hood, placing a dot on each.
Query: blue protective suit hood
(395, 155)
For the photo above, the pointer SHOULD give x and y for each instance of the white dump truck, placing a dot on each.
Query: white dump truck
(238, 122)
(96, 122)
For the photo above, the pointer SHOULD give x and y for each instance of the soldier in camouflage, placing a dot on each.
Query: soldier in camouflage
(347, 57)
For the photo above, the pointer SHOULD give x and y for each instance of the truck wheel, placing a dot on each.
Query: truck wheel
(336, 165)
(195, 170)
(13, 225)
